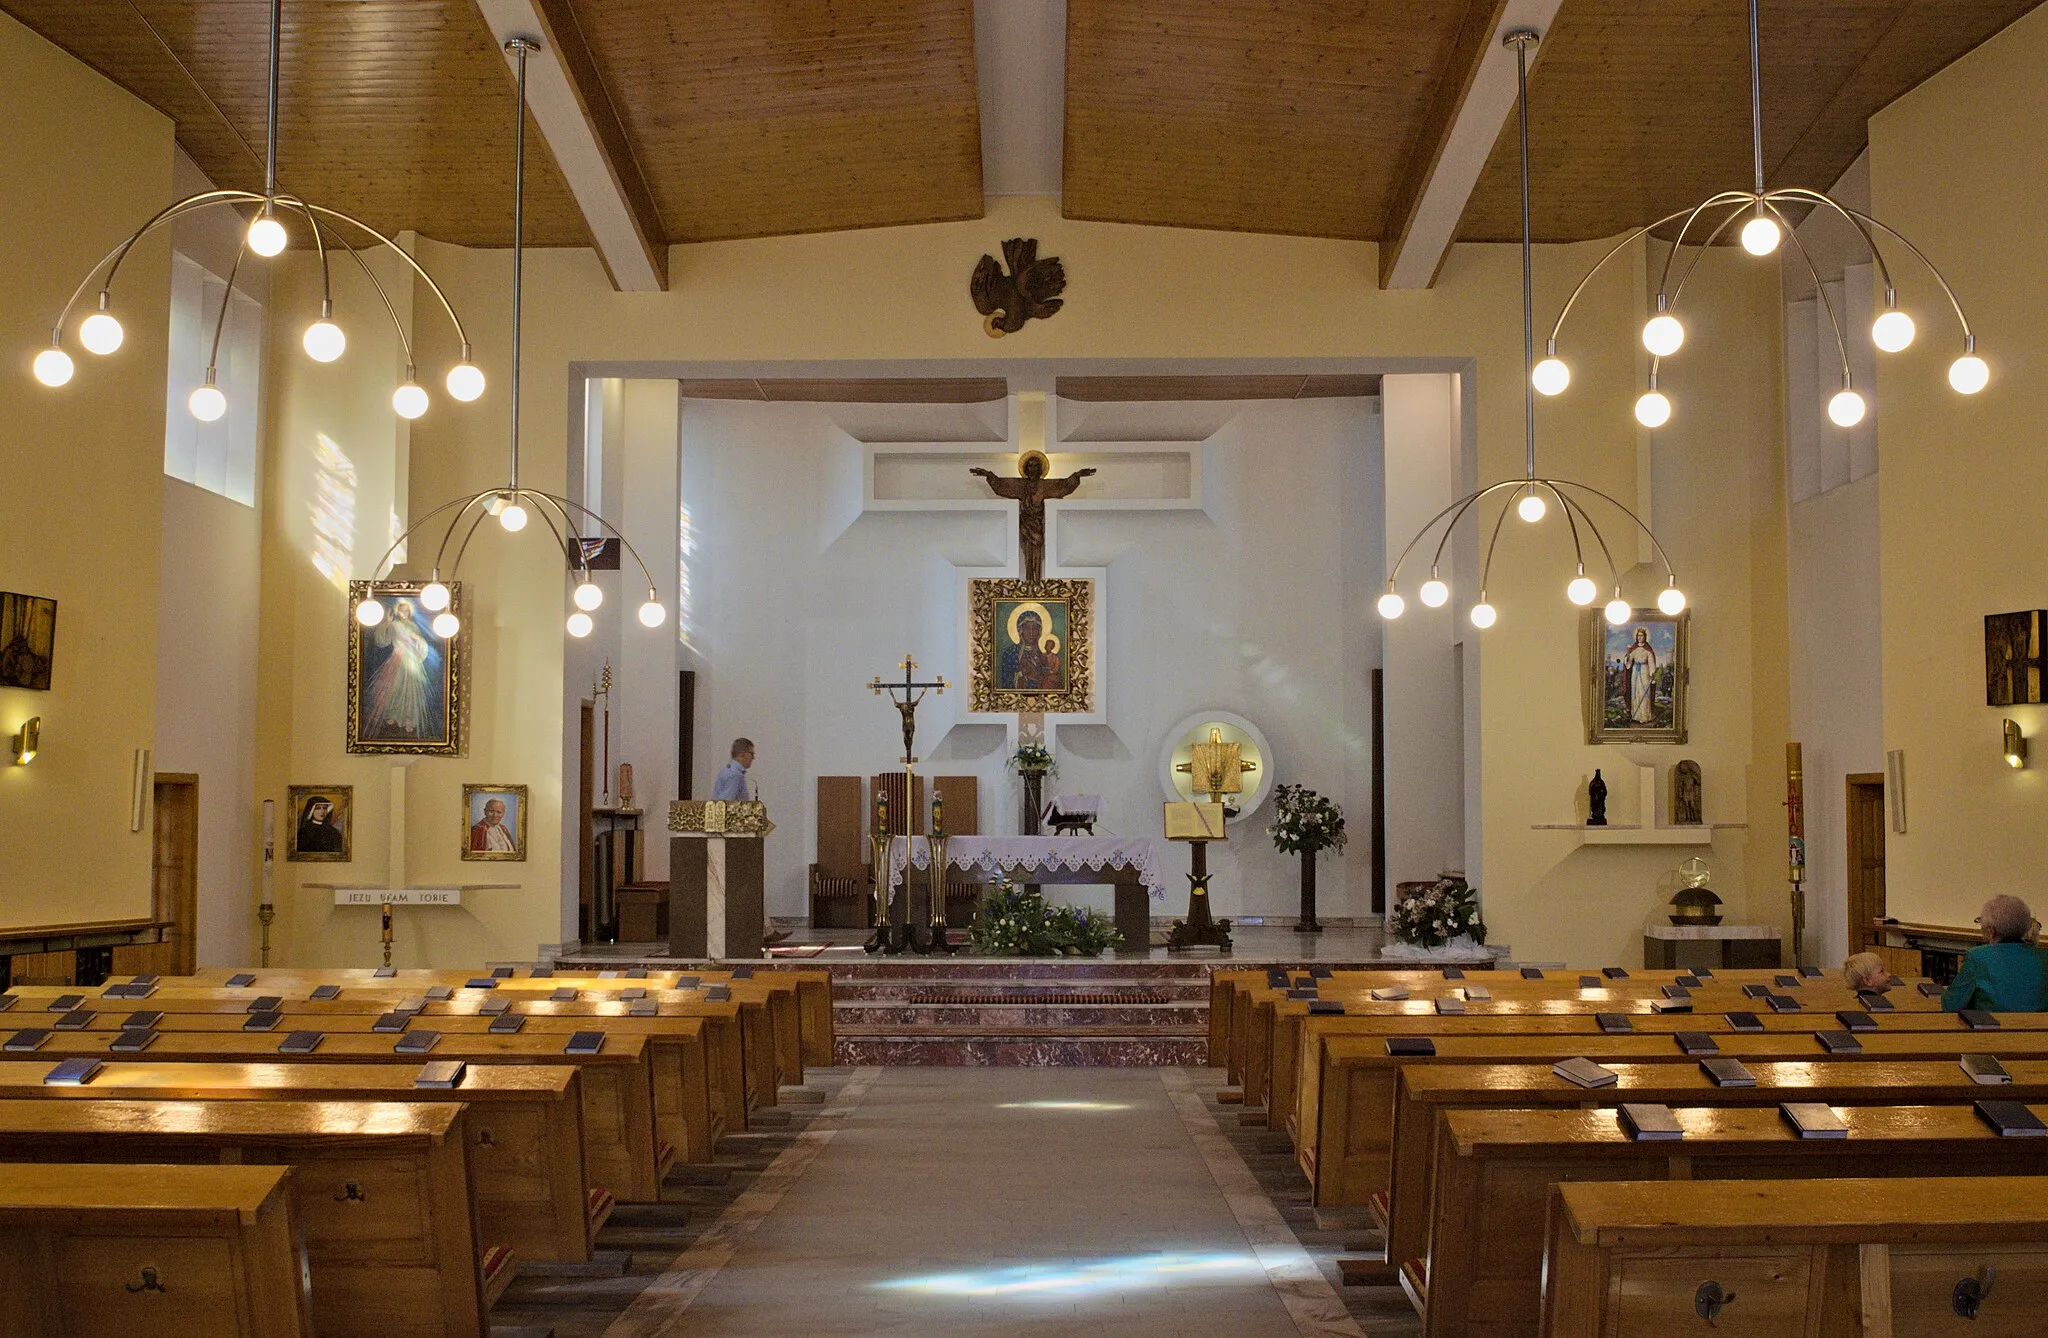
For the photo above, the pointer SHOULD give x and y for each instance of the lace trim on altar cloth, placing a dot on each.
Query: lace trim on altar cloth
(1014, 853)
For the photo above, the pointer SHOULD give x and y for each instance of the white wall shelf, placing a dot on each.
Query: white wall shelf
(1631, 834)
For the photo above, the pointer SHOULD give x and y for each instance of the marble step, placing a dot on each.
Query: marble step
(1021, 1013)
(1036, 970)
(904, 991)
(1058, 1048)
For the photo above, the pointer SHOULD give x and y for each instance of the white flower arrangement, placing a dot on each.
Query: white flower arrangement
(1434, 916)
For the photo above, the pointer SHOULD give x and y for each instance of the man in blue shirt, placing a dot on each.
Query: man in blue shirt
(732, 778)
(2007, 974)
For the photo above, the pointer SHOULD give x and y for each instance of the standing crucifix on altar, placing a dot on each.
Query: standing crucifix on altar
(1031, 490)
(905, 696)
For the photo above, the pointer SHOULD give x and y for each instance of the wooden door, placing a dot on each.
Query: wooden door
(174, 871)
(1865, 858)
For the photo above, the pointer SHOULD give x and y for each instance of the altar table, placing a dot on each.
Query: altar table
(1129, 864)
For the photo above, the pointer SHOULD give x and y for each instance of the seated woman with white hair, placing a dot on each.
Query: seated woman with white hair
(2007, 974)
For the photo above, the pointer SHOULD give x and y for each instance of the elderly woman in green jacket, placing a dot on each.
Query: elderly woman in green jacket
(2007, 974)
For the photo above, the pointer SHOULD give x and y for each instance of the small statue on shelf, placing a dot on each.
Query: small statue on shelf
(1596, 801)
(625, 785)
(1686, 803)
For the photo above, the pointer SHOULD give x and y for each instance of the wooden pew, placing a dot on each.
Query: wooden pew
(163, 1251)
(1483, 1274)
(525, 1128)
(382, 1191)
(1832, 1258)
(1428, 1091)
(1349, 1159)
(620, 1150)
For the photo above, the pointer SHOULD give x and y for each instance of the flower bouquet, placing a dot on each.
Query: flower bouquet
(1305, 823)
(1442, 920)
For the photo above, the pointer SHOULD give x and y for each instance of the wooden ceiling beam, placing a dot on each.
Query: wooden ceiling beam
(1474, 100)
(575, 114)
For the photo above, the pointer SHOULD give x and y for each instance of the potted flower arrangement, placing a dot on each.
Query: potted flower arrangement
(1305, 824)
(1442, 920)
(1033, 761)
(1017, 921)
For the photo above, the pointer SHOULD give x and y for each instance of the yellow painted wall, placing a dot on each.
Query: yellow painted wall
(899, 296)
(1963, 482)
(82, 470)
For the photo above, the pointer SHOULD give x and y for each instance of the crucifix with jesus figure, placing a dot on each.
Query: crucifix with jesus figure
(905, 697)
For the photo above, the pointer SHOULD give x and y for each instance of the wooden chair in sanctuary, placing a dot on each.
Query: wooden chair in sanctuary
(842, 889)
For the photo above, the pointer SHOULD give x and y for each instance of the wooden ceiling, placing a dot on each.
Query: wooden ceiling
(759, 117)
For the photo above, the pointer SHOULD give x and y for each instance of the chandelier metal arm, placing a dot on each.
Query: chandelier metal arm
(573, 558)
(220, 321)
(1486, 568)
(1461, 506)
(616, 532)
(270, 135)
(111, 261)
(1969, 338)
(1578, 551)
(1618, 505)
(404, 339)
(1756, 101)
(1731, 197)
(1700, 250)
(417, 268)
(384, 563)
(475, 523)
(482, 501)
(1820, 289)
(1819, 198)
(319, 244)
(1601, 264)
(1606, 553)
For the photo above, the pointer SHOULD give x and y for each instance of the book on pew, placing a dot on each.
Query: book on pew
(1671, 1005)
(1614, 972)
(1675, 991)
(1275, 980)
(1321, 973)
(131, 990)
(440, 994)
(2011, 1119)
(322, 993)
(64, 1003)
(1310, 992)
(1454, 973)
(1646, 1122)
(628, 996)
(1813, 1119)
(541, 973)
(1590, 983)
(1448, 1007)
(718, 994)
(740, 973)
(8, 1001)
(1977, 1019)
(385, 973)
(264, 1021)
(390, 1022)
(241, 980)
(300, 1043)
(501, 972)
(506, 1024)
(1929, 990)
(1477, 994)
(563, 995)
(142, 1019)
(652, 1007)
(1613, 1024)
(73, 1072)
(1390, 994)
(1852, 1020)
(1838, 1042)
(494, 1006)
(480, 983)
(410, 1005)
(691, 982)
(1531, 973)
(1756, 991)
(1811, 972)
(1985, 1070)
(1782, 1003)
(146, 978)
(1691, 980)
(1303, 983)
(1786, 982)
(608, 975)
(1695, 1043)
(584, 1043)
(1411, 1047)
(1874, 1001)
(1585, 1072)
(28, 1038)
(417, 1042)
(1727, 1071)
(132, 1041)
(78, 1019)
(442, 1073)
(264, 1003)
(640, 973)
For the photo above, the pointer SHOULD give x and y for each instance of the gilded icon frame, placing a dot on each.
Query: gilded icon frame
(472, 812)
(450, 676)
(1075, 692)
(1670, 722)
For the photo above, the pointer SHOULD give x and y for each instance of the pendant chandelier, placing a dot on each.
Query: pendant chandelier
(1764, 227)
(1536, 491)
(564, 518)
(267, 236)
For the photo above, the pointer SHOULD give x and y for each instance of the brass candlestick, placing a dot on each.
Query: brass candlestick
(387, 933)
(264, 915)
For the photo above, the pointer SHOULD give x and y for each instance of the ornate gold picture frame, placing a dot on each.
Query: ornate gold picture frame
(1637, 677)
(1031, 645)
(494, 822)
(406, 682)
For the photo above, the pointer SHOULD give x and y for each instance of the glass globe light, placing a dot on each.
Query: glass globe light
(1653, 409)
(53, 367)
(409, 400)
(1760, 235)
(1662, 335)
(513, 517)
(1967, 374)
(324, 341)
(434, 596)
(1483, 615)
(207, 403)
(1532, 507)
(588, 596)
(1435, 593)
(446, 625)
(100, 333)
(1671, 601)
(1892, 331)
(266, 236)
(466, 382)
(369, 613)
(1391, 605)
(1551, 376)
(652, 613)
(1846, 408)
(580, 624)
(1617, 611)
(1581, 591)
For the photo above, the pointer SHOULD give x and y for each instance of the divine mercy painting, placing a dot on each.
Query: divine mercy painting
(405, 680)
(1637, 675)
(1031, 646)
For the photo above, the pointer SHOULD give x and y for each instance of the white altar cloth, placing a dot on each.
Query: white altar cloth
(1020, 856)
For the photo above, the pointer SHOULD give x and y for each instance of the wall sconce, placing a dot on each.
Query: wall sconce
(27, 740)
(2015, 746)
